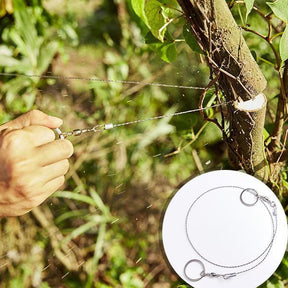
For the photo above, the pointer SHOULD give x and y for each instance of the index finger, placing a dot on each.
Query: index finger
(53, 152)
(41, 135)
(34, 117)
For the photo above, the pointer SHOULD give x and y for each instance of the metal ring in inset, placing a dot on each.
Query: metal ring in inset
(202, 273)
(251, 191)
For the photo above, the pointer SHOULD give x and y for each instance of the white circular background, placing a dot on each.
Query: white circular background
(223, 230)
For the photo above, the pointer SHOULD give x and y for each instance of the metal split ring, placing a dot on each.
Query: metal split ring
(202, 273)
(250, 191)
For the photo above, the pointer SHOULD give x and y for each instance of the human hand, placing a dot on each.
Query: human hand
(32, 164)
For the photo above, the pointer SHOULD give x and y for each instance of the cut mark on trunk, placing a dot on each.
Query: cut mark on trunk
(251, 105)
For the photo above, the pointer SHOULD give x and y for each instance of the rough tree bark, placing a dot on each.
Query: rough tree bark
(240, 80)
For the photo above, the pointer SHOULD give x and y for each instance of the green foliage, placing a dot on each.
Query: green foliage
(153, 15)
(281, 274)
(33, 55)
(167, 50)
(280, 9)
(190, 39)
(91, 221)
(118, 273)
(284, 45)
(18, 282)
(29, 49)
(139, 8)
(249, 7)
(282, 271)
(156, 16)
(273, 282)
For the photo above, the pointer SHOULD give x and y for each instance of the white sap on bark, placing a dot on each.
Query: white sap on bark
(253, 104)
(246, 129)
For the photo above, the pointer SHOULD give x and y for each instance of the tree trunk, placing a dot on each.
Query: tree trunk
(240, 80)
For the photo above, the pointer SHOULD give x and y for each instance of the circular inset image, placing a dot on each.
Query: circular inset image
(224, 229)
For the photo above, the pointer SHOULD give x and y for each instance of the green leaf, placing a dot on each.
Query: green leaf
(274, 282)
(170, 3)
(27, 31)
(28, 99)
(75, 196)
(282, 270)
(280, 9)
(156, 19)
(99, 201)
(167, 50)
(46, 54)
(13, 87)
(5, 50)
(285, 185)
(8, 61)
(249, 6)
(138, 7)
(23, 66)
(78, 231)
(170, 8)
(190, 39)
(20, 43)
(162, 128)
(266, 134)
(80, 213)
(284, 45)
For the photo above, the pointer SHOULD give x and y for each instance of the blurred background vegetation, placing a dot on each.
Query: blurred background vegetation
(103, 229)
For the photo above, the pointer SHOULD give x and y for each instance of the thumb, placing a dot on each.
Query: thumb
(34, 117)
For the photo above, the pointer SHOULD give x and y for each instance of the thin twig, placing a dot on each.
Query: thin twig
(211, 83)
(194, 138)
(197, 161)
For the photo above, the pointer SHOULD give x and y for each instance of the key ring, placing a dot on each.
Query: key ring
(202, 273)
(250, 191)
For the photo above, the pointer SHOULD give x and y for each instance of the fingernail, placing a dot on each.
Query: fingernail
(57, 121)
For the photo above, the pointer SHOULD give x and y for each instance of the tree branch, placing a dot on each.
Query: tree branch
(240, 80)
(222, 40)
(281, 112)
